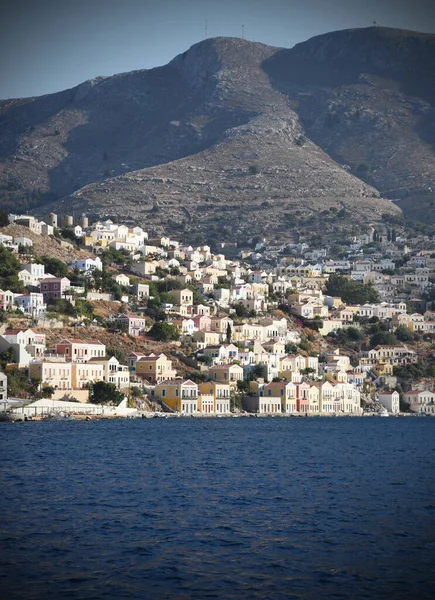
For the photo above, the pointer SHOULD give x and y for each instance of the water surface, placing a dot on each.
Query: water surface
(218, 508)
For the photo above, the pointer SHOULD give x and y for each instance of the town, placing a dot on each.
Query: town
(102, 318)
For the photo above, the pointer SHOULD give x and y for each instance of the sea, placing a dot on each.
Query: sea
(265, 508)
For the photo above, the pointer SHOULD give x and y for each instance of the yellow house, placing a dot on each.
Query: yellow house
(383, 367)
(184, 296)
(52, 373)
(83, 373)
(219, 392)
(330, 325)
(155, 368)
(179, 395)
(206, 338)
(220, 324)
(226, 374)
(284, 390)
(337, 376)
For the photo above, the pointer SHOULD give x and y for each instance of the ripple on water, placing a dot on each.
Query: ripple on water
(258, 508)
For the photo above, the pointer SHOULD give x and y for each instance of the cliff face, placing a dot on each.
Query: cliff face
(236, 133)
(367, 97)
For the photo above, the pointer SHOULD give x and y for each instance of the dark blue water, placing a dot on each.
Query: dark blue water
(219, 508)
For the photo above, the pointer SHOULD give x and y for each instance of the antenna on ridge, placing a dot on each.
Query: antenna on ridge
(243, 32)
(205, 29)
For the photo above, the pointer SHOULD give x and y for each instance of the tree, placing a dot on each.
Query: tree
(164, 332)
(404, 334)
(291, 349)
(351, 291)
(4, 219)
(242, 385)
(382, 338)
(205, 359)
(229, 333)
(308, 371)
(241, 311)
(18, 383)
(198, 376)
(7, 357)
(84, 308)
(118, 353)
(61, 306)
(9, 268)
(54, 266)
(353, 334)
(102, 392)
(47, 391)
(260, 371)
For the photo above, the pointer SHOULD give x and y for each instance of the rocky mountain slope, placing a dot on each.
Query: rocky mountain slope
(236, 137)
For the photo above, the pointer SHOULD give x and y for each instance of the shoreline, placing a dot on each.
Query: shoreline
(160, 415)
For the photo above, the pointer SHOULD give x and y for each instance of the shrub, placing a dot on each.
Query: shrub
(164, 332)
(404, 334)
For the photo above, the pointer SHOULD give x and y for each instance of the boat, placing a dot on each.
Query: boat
(383, 412)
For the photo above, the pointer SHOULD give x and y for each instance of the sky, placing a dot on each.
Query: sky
(50, 45)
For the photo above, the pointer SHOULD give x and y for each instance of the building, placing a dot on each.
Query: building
(420, 401)
(263, 405)
(84, 373)
(181, 297)
(54, 373)
(141, 291)
(87, 265)
(179, 395)
(133, 357)
(3, 387)
(226, 374)
(31, 304)
(25, 343)
(122, 279)
(391, 401)
(286, 391)
(133, 324)
(113, 371)
(6, 299)
(155, 368)
(220, 394)
(79, 350)
(54, 287)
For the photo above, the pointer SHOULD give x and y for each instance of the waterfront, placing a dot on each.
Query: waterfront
(218, 508)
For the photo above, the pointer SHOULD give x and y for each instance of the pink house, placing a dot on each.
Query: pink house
(303, 398)
(133, 324)
(202, 322)
(54, 287)
(78, 350)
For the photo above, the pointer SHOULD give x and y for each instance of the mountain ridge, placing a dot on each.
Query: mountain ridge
(329, 121)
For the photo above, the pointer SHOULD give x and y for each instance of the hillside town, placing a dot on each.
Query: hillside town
(137, 324)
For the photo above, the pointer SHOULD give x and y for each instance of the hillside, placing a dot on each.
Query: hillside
(45, 245)
(235, 137)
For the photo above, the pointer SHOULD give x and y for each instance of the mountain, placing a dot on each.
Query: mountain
(236, 138)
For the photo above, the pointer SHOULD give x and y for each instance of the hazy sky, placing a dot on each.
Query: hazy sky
(50, 45)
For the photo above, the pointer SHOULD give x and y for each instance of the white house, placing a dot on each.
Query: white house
(390, 401)
(122, 279)
(89, 264)
(31, 304)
